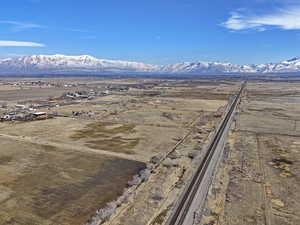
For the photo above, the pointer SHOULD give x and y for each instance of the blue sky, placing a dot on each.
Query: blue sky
(153, 31)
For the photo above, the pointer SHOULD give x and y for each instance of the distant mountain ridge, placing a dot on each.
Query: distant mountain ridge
(85, 64)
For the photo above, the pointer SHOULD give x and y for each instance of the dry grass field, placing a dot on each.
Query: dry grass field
(59, 171)
(259, 183)
(42, 184)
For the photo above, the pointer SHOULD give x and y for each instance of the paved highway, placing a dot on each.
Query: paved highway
(194, 195)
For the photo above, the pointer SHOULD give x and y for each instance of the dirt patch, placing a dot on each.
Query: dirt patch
(281, 161)
(283, 165)
(107, 136)
(49, 148)
(106, 129)
(5, 159)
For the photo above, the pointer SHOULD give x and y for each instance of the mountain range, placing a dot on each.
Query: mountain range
(85, 64)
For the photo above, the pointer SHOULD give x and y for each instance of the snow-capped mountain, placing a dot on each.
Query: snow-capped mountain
(84, 64)
(292, 65)
(69, 64)
(205, 67)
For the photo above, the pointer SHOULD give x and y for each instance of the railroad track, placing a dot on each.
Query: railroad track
(194, 195)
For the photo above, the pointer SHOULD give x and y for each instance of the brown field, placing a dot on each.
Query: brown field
(42, 184)
(260, 182)
(60, 171)
(31, 93)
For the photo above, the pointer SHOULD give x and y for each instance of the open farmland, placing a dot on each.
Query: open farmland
(108, 151)
(43, 184)
(259, 183)
(63, 168)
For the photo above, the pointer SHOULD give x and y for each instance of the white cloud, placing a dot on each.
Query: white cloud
(20, 44)
(20, 26)
(17, 26)
(287, 19)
